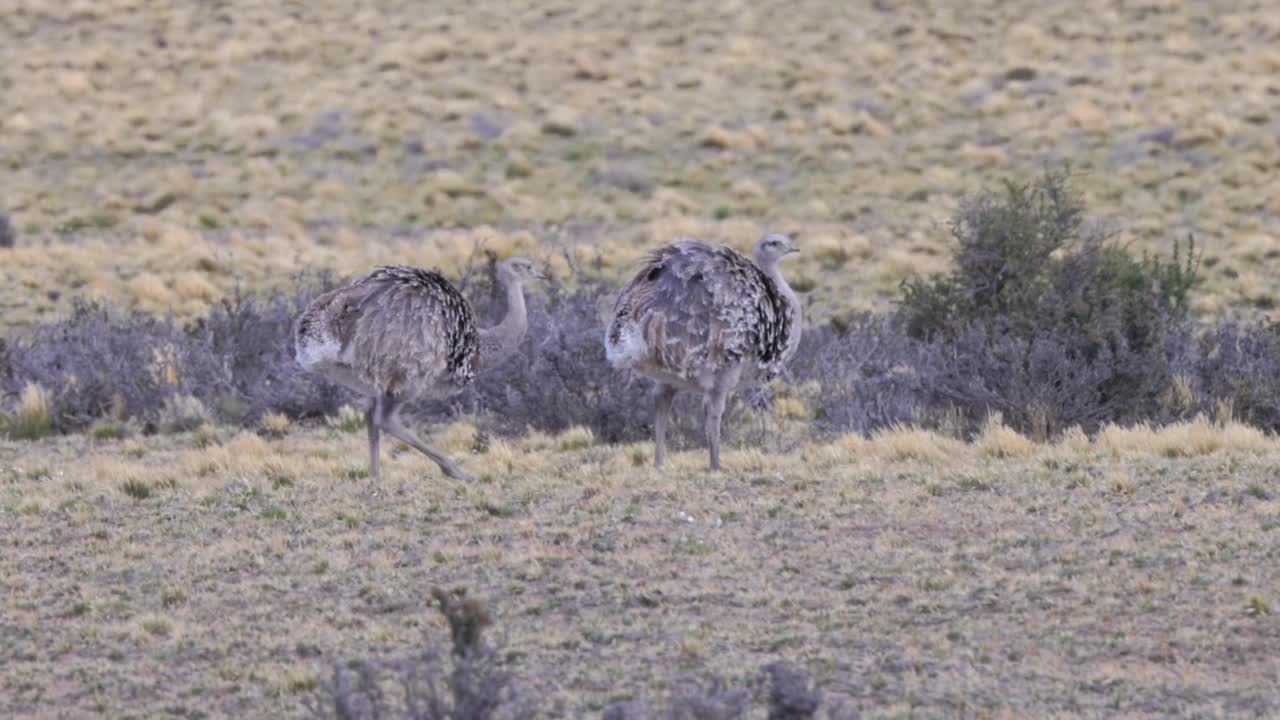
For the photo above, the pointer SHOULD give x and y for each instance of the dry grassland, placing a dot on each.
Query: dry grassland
(221, 573)
(178, 148)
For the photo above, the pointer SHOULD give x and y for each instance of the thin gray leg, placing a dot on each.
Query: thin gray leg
(663, 396)
(714, 401)
(391, 423)
(371, 420)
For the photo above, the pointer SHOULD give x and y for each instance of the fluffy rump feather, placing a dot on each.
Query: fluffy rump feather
(399, 330)
(694, 307)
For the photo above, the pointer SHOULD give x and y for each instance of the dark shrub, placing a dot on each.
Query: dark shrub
(1230, 369)
(8, 236)
(1026, 259)
(96, 362)
(238, 362)
(1044, 319)
(240, 359)
(790, 697)
(872, 374)
(560, 377)
(477, 687)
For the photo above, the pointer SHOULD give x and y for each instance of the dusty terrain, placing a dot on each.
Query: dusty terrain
(1134, 575)
(160, 155)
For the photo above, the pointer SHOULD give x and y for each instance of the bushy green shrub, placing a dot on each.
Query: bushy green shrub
(1029, 265)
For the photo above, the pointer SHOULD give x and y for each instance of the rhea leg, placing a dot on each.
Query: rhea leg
(390, 422)
(715, 400)
(372, 418)
(663, 396)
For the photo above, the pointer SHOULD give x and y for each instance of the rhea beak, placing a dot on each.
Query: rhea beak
(792, 250)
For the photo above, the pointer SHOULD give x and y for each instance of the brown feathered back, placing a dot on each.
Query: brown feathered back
(399, 330)
(694, 307)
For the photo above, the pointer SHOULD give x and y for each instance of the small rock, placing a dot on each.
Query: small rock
(155, 202)
(8, 236)
(1086, 116)
(748, 189)
(879, 53)
(485, 125)
(1020, 74)
(725, 139)
(630, 180)
(561, 121)
(586, 68)
(19, 123)
(688, 81)
(433, 49)
(518, 166)
(74, 83)
(453, 184)
(1160, 136)
(668, 200)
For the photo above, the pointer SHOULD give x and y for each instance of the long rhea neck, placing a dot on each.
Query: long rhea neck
(775, 274)
(793, 305)
(500, 341)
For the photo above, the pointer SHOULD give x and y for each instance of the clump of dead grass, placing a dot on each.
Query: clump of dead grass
(999, 441)
(1199, 436)
(31, 419)
(274, 424)
(904, 442)
(347, 419)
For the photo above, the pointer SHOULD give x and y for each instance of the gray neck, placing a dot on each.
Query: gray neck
(500, 341)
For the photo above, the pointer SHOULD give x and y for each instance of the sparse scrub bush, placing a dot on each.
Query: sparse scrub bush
(471, 683)
(235, 365)
(559, 378)
(477, 686)
(1044, 320)
(1028, 263)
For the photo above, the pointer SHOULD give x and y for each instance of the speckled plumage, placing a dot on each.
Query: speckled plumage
(698, 317)
(694, 308)
(399, 330)
(401, 333)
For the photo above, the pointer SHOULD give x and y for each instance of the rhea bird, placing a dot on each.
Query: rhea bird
(699, 318)
(402, 333)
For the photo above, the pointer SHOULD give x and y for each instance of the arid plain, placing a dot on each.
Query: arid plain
(160, 156)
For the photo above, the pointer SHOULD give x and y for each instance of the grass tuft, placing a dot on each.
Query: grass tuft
(31, 419)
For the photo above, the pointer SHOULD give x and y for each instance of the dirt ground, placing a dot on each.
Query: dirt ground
(910, 575)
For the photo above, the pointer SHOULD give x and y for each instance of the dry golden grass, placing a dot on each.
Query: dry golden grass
(1015, 571)
(859, 126)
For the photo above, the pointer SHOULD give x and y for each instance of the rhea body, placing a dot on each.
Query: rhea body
(402, 333)
(700, 318)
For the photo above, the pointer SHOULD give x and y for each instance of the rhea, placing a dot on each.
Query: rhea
(699, 318)
(402, 333)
